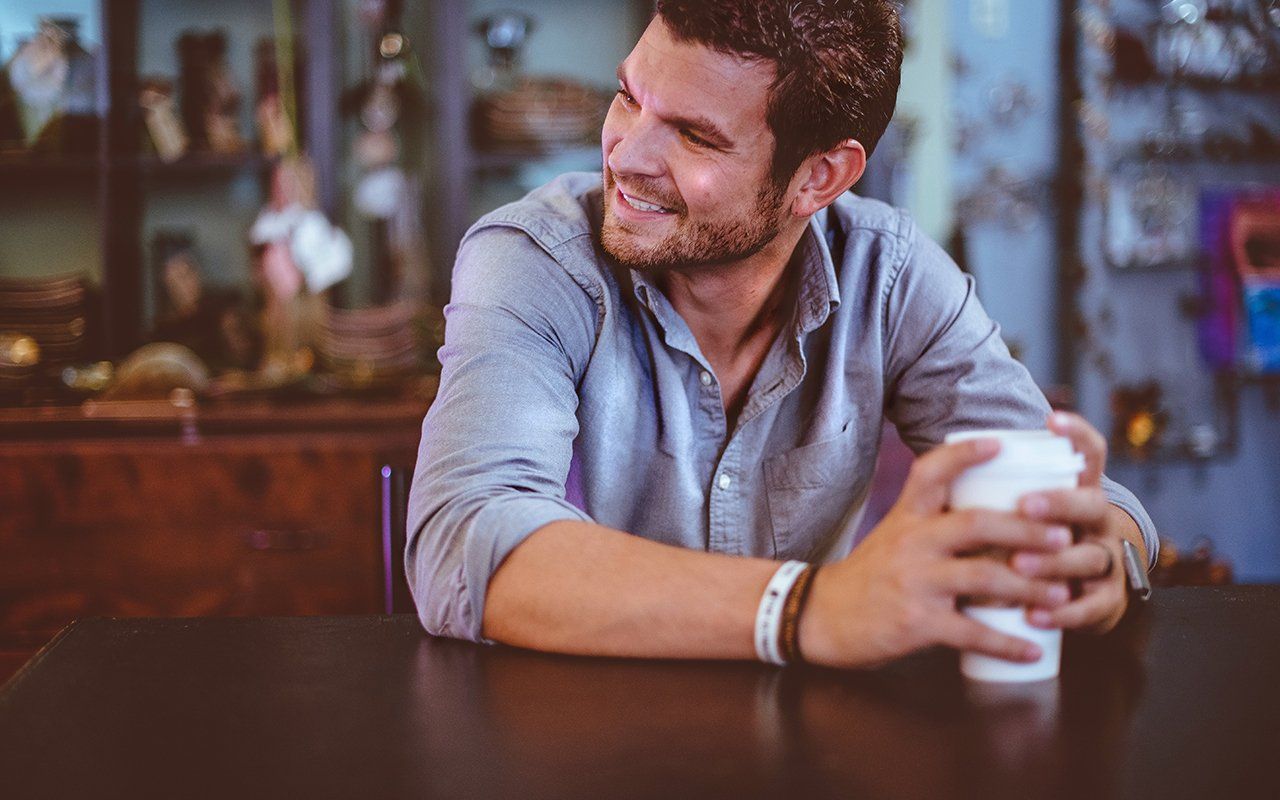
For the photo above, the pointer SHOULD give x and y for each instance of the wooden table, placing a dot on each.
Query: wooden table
(1182, 702)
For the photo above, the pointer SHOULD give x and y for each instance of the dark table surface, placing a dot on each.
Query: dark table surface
(1183, 701)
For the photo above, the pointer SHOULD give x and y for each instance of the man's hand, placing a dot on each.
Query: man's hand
(1095, 563)
(896, 592)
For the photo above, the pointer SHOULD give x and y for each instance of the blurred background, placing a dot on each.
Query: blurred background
(226, 233)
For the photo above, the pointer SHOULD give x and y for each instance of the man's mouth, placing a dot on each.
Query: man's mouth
(643, 205)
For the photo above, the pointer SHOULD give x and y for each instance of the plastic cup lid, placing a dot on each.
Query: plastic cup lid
(1020, 450)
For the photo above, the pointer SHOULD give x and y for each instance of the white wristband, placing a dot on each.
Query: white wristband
(769, 615)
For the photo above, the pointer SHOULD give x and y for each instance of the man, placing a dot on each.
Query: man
(659, 382)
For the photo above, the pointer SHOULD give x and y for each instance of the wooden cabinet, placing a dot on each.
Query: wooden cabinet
(272, 512)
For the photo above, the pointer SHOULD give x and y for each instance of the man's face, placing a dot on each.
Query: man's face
(687, 155)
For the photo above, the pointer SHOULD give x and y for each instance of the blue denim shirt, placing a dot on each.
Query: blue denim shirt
(572, 390)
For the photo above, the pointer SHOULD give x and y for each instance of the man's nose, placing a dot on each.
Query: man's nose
(638, 151)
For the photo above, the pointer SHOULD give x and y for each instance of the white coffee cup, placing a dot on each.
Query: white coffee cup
(1028, 461)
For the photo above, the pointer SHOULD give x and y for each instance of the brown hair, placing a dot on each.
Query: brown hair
(838, 64)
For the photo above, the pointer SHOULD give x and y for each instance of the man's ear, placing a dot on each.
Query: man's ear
(827, 175)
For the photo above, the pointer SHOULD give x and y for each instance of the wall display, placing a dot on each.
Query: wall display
(1138, 419)
(1255, 246)
(1179, 125)
(44, 323)
(211, 321)
(210, 97)
(48, 102)
(1224, 41)
(389, 105)
(276, 135)
(1150, 216)
(526, 113)
(159, 111)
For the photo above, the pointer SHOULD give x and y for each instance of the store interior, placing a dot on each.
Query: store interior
(227, 232)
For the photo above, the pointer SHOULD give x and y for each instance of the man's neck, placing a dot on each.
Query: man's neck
(732, 308)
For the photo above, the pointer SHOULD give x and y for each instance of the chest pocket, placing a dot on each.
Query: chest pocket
(813, 489)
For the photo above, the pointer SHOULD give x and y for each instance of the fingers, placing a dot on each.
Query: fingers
(929, 482)
(962, 633)
(1091, 610)
(974, 528)
(1086, 507)
(1086, 440)
(990, 579)
(1088, 560)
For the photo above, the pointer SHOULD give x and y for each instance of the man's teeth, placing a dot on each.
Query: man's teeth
(641, 205)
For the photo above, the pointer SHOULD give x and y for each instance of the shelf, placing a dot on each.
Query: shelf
(106, 420)
(14, 166)
(498, 160)
(209, 165)
(204, 165)
(1134, 155)
(1260, 86)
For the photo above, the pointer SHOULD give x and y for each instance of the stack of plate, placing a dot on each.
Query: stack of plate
(19, 357)
(370, 347)
(48, 311)
(541, 115)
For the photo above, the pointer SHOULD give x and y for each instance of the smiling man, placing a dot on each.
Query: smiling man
(663, 386)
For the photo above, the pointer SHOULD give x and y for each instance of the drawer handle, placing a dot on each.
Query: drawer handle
(283, 539)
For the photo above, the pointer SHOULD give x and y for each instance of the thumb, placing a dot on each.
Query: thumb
(929, 482)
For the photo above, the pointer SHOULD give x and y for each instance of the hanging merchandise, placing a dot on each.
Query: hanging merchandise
(319, 253)
(1219, 303)
(52, 82)
(389, 107)
(1255, 245)
(210, 97)
(299, 254)
(161, 116)
(275, 129)
(1150, 218)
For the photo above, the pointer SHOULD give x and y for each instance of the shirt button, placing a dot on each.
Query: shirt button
(705, 377)
(724, 481)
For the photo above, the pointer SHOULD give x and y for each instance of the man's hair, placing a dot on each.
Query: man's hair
(838, 64)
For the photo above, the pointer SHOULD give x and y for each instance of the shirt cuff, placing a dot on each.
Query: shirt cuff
(1125, 500)
(497, 529)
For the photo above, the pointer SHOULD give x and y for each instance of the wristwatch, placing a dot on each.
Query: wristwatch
(1139, 584)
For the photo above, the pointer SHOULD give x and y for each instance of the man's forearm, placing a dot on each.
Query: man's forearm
(575, 587)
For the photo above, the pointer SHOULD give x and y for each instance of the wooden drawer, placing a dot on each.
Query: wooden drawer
(237, 526)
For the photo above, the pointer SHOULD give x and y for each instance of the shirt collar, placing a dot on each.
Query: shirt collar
(819, 293)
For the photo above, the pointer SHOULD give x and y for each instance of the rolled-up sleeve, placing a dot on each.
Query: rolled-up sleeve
(498, 439)
(948, 369)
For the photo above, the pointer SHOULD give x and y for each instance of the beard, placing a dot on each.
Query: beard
(693, 243)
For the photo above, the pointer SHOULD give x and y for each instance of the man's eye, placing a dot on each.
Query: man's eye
(626, 97)
(694, 139)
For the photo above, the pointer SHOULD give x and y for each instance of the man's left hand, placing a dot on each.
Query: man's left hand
(1095, 562)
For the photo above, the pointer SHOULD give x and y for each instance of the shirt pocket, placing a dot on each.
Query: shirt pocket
(811, 491)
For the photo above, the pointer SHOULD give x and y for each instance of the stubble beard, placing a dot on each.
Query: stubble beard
(694, 244)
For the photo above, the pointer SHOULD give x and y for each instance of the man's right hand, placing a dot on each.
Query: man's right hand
(896, 593)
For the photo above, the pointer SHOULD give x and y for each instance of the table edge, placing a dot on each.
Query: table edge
(8, 687)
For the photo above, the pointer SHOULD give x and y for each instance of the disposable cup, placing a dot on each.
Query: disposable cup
(1028, 461)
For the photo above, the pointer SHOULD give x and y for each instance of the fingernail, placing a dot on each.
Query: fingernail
(1040, 617)
(1060, 419)
(1026, 563)
(1035, 505)
(986, 447)
(1059, 535)
(1058, 594)
(1031, 652)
